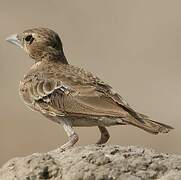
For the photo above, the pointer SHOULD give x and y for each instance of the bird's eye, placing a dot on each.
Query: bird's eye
(29, 39)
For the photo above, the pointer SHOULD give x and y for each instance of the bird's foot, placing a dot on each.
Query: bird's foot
(104, 135)
(70, 143)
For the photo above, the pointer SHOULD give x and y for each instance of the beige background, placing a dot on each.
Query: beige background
(135, 45)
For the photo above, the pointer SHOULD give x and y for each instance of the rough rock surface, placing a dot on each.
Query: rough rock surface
(94, 162)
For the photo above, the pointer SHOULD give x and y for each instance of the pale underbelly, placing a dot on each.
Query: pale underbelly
(101, 121)
(88, 121)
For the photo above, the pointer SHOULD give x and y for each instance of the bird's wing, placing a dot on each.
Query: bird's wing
(74, 91)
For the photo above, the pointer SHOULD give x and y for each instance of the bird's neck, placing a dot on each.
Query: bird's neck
(49, 54)
(55, 57)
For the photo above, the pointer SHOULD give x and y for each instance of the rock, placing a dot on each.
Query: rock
(93, 162)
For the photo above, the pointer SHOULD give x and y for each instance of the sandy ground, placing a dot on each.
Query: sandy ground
(95, 163)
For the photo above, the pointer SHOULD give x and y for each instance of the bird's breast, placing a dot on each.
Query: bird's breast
(24, 93)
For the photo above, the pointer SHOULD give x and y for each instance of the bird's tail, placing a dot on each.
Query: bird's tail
(149, 125)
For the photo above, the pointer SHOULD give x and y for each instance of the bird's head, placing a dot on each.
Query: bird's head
(39, 43)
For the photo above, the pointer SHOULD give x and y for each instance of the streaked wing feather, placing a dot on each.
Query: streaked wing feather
(78, 95)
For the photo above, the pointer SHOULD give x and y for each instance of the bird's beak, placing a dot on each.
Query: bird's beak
(14, 40)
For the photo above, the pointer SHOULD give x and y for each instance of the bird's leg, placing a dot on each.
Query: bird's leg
(104, 135)
(72, 136)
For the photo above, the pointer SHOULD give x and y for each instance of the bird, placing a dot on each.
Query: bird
(70, 95)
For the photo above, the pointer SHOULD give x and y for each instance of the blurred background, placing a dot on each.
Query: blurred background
(134, 45)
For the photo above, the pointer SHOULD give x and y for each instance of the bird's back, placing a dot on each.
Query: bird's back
(82, 93)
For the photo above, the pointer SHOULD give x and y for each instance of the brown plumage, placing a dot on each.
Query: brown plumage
(70, 95)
